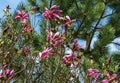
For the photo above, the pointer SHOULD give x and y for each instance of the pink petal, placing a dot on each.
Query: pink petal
(54, 7)
(105, 81)
(108, 75)
(18, 17)
(19, 12)
(114, 76)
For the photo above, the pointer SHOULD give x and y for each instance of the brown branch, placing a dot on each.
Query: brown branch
(79, 27)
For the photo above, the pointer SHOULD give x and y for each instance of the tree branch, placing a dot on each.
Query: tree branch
(76, 5)
(94, 30)
(108, 15)
(118, 44)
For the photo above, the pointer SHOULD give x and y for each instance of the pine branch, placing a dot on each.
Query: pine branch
(108, 15)
(76, 5)
(118, 44)
(94, 30)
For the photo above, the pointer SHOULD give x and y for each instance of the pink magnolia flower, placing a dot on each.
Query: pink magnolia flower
(70, 59)
(67, 21)
(75, 45)
(93, 73)
(27, 29)
(111, 77)
(9, 73)
(21, 15)
(52, 13)
(55, 39)
(46, 53)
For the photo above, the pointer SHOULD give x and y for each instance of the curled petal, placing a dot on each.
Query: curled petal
(105, 81)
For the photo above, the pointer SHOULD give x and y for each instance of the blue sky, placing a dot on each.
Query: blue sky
(13, 4)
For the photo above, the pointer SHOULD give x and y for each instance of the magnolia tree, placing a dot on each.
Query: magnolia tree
(60, 57)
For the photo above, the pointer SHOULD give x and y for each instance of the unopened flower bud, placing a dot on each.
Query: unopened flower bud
(109, 60)
(7, 6)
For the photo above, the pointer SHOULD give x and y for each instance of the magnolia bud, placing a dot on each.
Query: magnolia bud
(109, 60)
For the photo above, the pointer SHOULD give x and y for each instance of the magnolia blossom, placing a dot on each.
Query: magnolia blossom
(113, 76)
(27, 29)
(75, 45)
(93, 73)
(22, 16)
(52, 13)
(67, 21)
(46, 53)
(70, 59)
(109, 78)
(9, 73)
(55, 39)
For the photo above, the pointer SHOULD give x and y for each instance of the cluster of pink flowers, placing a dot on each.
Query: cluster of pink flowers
(54, 39)
(27, 29)
(109, 78)
(52, 13)
(55, 13)
(70, 59)
(96, 74)
(93, 73)
(23, 17)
